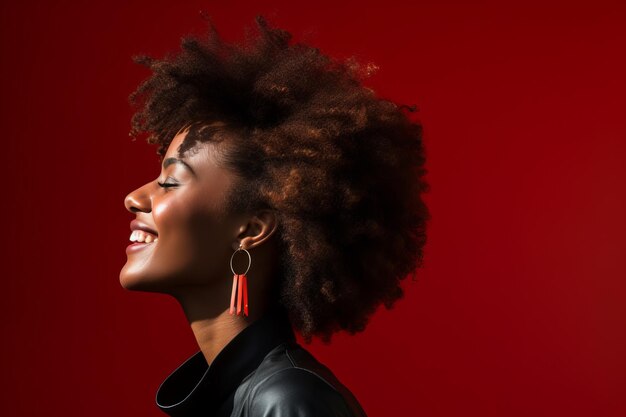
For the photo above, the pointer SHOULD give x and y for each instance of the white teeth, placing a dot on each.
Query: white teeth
(140, 236)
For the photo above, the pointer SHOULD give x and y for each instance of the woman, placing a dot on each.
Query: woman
(289, 197)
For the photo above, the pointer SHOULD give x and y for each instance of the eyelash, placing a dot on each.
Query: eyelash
(165, 185)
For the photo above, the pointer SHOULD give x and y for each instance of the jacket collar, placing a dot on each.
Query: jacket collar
(197, 387)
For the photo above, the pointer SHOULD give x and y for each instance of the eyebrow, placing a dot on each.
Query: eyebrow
(169, 161)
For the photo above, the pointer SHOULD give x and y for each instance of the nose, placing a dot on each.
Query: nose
(139, 200)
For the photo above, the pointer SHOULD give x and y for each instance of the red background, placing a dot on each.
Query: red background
(520, 307)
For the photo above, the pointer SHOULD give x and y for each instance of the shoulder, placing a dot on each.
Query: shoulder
(296, 391)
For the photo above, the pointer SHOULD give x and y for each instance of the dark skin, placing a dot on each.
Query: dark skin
(190, 260)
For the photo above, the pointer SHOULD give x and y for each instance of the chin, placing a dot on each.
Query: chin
(132, 281)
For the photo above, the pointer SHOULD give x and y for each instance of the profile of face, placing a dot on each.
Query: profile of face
(195, 236)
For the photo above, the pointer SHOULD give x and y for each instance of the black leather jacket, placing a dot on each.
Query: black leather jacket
(261, 372)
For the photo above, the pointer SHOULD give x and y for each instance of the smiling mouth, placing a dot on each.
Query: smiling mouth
(139, 246)
(140, 236)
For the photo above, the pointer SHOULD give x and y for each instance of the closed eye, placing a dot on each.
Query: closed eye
(172, 183)
(166, 185)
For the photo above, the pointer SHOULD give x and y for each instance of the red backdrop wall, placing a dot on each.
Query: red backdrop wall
(519, 309)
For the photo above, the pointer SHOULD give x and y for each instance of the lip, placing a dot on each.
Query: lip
(137, 246)
(137, 225)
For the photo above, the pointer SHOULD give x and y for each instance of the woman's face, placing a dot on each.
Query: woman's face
(195, 236)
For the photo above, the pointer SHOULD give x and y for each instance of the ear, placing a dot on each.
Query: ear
(256, 230)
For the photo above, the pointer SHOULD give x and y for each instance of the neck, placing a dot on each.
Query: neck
(214, 328)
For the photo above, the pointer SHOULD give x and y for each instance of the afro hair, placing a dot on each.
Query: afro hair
(342, 168)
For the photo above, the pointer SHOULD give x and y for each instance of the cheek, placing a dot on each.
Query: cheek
(174, 219)
(167, 213)
(192, 236)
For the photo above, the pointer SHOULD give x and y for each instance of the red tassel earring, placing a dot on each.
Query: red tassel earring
(240, 287)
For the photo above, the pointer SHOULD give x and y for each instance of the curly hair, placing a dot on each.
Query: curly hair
(342, 168)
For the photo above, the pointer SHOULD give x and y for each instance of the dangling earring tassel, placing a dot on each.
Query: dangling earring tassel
(232, 296)
(244, 281)
(239, 294)
(240, 288)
